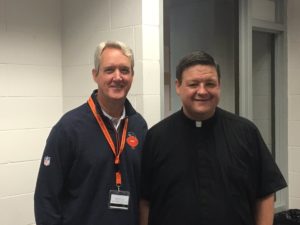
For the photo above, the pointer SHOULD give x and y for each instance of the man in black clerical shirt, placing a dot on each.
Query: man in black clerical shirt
(204, 165)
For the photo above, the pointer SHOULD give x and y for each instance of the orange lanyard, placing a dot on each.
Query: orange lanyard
(117, 151)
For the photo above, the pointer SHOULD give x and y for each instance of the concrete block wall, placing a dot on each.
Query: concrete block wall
(293, 19)
(30, 98)
(46, 55)
(135, 22)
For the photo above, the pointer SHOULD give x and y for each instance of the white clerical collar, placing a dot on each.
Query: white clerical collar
(115, 121)
(198, 123)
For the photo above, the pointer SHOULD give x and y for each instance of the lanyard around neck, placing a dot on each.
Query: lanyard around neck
(116, 150)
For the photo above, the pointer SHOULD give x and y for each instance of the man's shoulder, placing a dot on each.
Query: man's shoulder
(233, 120)
(74, 118)
(75, 113)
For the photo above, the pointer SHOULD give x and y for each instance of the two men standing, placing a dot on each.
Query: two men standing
(200, 166)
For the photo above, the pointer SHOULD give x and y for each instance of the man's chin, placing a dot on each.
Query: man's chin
(117, 97)
(203, 111)
(117, 94)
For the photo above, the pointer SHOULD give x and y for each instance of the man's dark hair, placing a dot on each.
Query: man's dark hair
(195, 58)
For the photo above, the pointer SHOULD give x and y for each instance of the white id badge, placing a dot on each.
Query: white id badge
(118, 199)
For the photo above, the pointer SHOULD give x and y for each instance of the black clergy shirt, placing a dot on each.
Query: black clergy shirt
(208, 175)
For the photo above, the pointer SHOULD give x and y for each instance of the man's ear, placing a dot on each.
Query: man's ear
(177, 85)
(95, 74)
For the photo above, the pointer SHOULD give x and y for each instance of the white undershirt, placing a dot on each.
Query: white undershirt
(115, 121)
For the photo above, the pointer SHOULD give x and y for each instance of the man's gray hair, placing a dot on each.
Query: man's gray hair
(127, 51)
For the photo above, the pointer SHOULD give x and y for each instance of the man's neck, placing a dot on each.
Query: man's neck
(112, 108)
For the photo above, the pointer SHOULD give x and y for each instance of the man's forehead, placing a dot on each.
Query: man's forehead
(115, 65)
(201, 70)
(111, 52)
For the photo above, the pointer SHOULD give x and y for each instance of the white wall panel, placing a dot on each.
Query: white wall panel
(125, 13)
(147, 37)
(150, 36)
(138, 37)
(137, 83)
(85, 16)
(294, 129)
(125, 35)
(139, 105)
(293, 18)
(18, 178)
(30, 80)
(150, 12)
(294, 203)
(78, 81)
(294, 56)
(294, 108)
(294, 184)
(147, 105)
(294, 156)
(30, 48)
(151, 77)
(28, 113)
(75, 49)
(33, 15)
(17, 210)
(31, 148)
(294, 81)
(293, 36)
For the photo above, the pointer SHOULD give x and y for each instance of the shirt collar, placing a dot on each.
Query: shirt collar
(115, 121)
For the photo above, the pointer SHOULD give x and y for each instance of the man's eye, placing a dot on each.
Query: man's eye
(193, 85)
(211, 84)
(124, 70)
(109, 70)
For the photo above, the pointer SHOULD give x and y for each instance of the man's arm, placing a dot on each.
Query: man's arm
(265, 210)
(53, 170)
(144, 212)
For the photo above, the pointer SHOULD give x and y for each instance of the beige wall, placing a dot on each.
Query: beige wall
(30, 98)
(45, 70)
(294, 101)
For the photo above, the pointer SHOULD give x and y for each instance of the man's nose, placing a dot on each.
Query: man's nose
(201, 89)
(117, 74)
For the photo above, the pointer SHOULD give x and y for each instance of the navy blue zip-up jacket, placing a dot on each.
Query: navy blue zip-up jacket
(77, 171)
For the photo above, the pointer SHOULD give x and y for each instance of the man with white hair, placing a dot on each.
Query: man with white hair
(90, 171)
